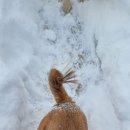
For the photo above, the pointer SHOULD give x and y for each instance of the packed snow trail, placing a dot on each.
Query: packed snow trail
(108, 23)
(93, 38)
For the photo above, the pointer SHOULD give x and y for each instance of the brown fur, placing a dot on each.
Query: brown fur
(67, 6)
(65, 115)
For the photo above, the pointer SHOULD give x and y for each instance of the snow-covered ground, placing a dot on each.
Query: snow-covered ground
(94, 39)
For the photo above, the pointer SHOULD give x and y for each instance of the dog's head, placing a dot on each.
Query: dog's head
(57, 78)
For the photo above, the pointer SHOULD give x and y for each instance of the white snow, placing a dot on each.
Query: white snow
(49, 35)
(94, 39)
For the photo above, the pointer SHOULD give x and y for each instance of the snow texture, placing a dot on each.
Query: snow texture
(70, 107)
(94, 39)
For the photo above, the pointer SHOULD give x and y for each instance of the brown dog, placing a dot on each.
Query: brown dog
(65, 115)
(67, 6)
